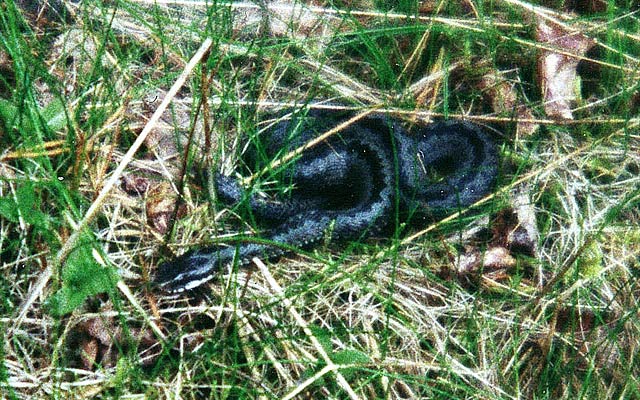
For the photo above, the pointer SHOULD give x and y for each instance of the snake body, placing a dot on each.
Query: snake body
(348, 187)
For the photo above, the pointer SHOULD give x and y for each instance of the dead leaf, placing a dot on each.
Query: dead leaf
(493, 259)
(497, 258)
(501, 93)
(156, 175)
(589, 331)
(515, 227)
(474, 266)
(97, 342)
(160, 205)
(469, 262)
(557, 69)
(89, 353)
(524, 238)
(161, 142)
(101, 329)
(135, 185)
(101, 341)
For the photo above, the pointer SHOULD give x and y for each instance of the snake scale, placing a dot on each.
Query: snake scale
(347, 187)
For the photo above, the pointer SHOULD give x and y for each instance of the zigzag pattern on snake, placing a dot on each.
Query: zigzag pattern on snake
(349, 186)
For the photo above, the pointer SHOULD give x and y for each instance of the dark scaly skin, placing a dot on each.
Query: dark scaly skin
(347, 187)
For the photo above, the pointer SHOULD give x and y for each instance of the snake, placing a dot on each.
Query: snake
(351, 185)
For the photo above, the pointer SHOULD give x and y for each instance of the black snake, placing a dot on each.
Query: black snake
(349, 186)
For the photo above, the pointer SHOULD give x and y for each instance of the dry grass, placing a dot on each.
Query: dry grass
(91, 171)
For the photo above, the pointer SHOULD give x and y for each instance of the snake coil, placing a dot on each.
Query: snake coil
(350, 186)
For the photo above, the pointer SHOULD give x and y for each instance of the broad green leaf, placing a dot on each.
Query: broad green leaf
(8, 209)
(54, 115)
(82, 277)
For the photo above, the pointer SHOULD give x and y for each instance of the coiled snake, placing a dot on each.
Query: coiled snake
(352, 185)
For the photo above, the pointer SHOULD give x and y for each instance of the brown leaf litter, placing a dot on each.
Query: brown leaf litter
(558, 68)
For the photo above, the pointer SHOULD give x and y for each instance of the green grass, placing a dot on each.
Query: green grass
(381, 318)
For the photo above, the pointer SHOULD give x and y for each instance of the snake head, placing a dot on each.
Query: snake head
(189, 270)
